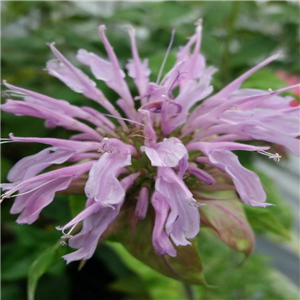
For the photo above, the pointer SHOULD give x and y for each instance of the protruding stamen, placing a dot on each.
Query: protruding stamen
(194, 203)
(165, 57)
(67, 235)
(105, 147)
(176, 79)
(138, 133)
(125, 119)
(4, 196)
(6, 140)
(276, 157)
(13, 94)
(199, 22)
(69, 232)
(9, 194)
(271, 91)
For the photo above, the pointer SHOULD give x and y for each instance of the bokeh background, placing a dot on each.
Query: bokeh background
(236, 36)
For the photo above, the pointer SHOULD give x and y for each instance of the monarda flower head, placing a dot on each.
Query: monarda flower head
(154, 152)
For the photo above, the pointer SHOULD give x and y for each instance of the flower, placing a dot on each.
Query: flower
(143, 156)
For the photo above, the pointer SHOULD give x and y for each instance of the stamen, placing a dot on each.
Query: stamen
(4, 196)
(6, 140)
(106, 149)
(125, 119)
(67, 235)
(199, 22)
(276, 157)
(13, 94)
(174, 82)
(194, 203)
(154, 107)
(165, 57)
(9, 195)
(69, 232)
(137, 135)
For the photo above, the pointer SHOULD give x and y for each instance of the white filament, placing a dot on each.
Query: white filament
(9, 195)
(67, 235)
(165, 57)
(276, 157)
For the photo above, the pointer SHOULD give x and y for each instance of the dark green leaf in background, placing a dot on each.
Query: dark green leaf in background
(41, 265)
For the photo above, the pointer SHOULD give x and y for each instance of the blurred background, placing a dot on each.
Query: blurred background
(236, 36)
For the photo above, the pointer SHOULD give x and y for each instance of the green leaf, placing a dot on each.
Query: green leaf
(254, 45)
(11, 291)
(131, 285)
(262, 218)
(16, 262)
(274, 219)
(76, 204)
(169, 14)
(41, 265)
(155, 61)
(228, 220)
(264, 79)
(186, 266)
(281, 210)
(5, 167)
(254, 275)
(217, 13)
(158, 286)
(128, 281)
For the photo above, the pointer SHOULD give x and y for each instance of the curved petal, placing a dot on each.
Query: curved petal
(167, 153)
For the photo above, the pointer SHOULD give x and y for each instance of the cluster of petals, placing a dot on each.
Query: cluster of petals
(168, 130)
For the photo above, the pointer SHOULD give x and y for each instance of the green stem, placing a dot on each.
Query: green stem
(189, 292)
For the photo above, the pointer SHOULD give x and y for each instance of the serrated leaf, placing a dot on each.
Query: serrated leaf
(228, 220)
(40, 266)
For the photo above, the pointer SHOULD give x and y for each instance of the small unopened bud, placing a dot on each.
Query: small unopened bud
(142, 203)
(202, 175)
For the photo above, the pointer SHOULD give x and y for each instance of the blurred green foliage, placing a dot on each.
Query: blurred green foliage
(236, 35)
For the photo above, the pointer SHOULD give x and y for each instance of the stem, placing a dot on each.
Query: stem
(189, 292)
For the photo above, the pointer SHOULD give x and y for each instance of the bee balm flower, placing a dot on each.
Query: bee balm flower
(155, 141)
